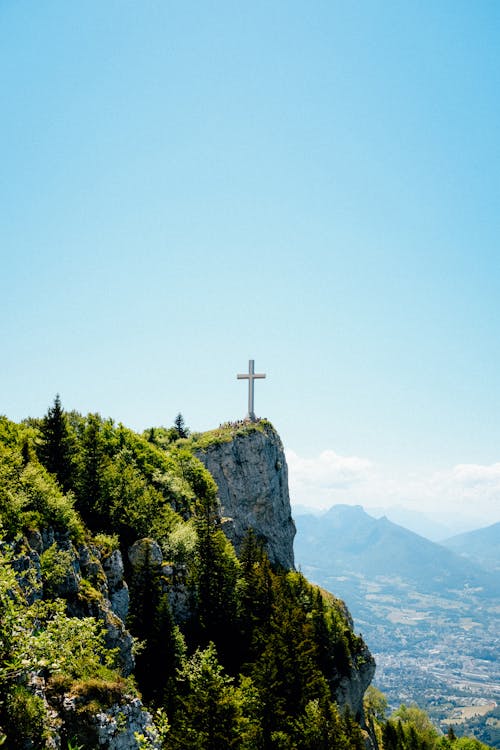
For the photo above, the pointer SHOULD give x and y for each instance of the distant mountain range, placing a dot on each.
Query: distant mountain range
(481, 546)
(428, 611)
(435, 525)
(346, 540)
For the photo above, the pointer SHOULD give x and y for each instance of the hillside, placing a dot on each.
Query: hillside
(127, 620)
(429, 615)
(481, 546)
(363, 543)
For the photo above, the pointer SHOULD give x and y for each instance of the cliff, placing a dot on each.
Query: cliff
(248, 463)
(250, 470)
(134, 552)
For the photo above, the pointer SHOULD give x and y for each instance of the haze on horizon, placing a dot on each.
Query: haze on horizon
(313, 186)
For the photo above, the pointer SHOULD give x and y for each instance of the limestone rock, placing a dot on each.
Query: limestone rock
(92, 569)
(351, 688)
(113, 567)
(112, 728)
(118, 592)
(145, 551)
(26, 564)
(251, 474)
(117, 727)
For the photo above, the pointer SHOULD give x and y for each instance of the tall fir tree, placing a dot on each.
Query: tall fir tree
(56, 450)
(90, 476)
(151, 621)
(180, 426)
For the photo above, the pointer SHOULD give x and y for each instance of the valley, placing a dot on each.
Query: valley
(434, 645)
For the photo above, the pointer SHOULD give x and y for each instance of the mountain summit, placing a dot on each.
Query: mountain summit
(182, 543)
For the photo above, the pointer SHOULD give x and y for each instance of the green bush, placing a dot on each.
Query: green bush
(26, 720)
(56, 565)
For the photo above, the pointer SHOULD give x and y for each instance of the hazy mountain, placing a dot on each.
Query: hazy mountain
(435, 526)
(346, 539)
(428, 614)
(482, 546)
(430, 525)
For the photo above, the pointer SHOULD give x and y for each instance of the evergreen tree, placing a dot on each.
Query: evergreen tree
(56, 451)
(390, 736)
(90, 500)
(256, 596)
(210, 712)
(151, 621)
(216, 571)
(287, 671)
(180, 426)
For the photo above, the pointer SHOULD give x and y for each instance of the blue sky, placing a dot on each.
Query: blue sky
(185, 186)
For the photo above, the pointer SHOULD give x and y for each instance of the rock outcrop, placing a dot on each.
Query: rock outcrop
(92, 584)
(112, 728)
(251, 473)
(248, 464)
(349, 689)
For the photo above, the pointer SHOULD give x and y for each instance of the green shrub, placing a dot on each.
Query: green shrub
(56, 565)
(70, 646)
(104, 693)
(106, 543)
(26, 720)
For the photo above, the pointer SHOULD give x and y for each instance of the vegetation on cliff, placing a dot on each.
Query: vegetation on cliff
(229, 652)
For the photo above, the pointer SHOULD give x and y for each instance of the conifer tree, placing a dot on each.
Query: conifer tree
(151, 621)
(216, 576)
(390, 736)
(56, 449)
(90, 482)
(180, 426)
(210, 706)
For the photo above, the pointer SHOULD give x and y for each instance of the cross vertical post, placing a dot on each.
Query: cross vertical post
(252, 375)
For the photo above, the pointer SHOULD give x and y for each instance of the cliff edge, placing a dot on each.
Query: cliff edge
(247, 462)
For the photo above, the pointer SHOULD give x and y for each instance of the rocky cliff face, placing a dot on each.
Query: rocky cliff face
(350, 689)
(252, 476)
(114, 726)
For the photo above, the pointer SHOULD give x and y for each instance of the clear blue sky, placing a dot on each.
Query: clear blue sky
(315, 185)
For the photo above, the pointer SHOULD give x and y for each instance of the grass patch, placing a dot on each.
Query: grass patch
(225, 433)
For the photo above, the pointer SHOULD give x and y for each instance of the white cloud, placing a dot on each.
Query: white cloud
(325, 479)
(329, 469)
(466, 490)
(478, 475)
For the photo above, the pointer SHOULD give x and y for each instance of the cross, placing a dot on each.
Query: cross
(250, 377)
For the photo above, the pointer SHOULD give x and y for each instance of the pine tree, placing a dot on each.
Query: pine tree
(151, 621)
(56, 451)
(210, 707)
(216, 576)
(180, 426)
(90, 481)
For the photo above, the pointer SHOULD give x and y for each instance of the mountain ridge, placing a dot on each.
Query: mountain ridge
(366, 540)
(433, 632)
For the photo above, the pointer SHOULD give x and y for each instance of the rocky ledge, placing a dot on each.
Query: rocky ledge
(251, 473)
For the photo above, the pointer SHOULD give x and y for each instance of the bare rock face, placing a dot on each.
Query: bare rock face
(351, 688)
(112, 728)
(117, 587)
(251, 473)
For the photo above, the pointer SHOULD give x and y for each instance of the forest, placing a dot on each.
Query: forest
(219, 650)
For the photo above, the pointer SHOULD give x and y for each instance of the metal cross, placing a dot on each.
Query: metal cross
(250, 377)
